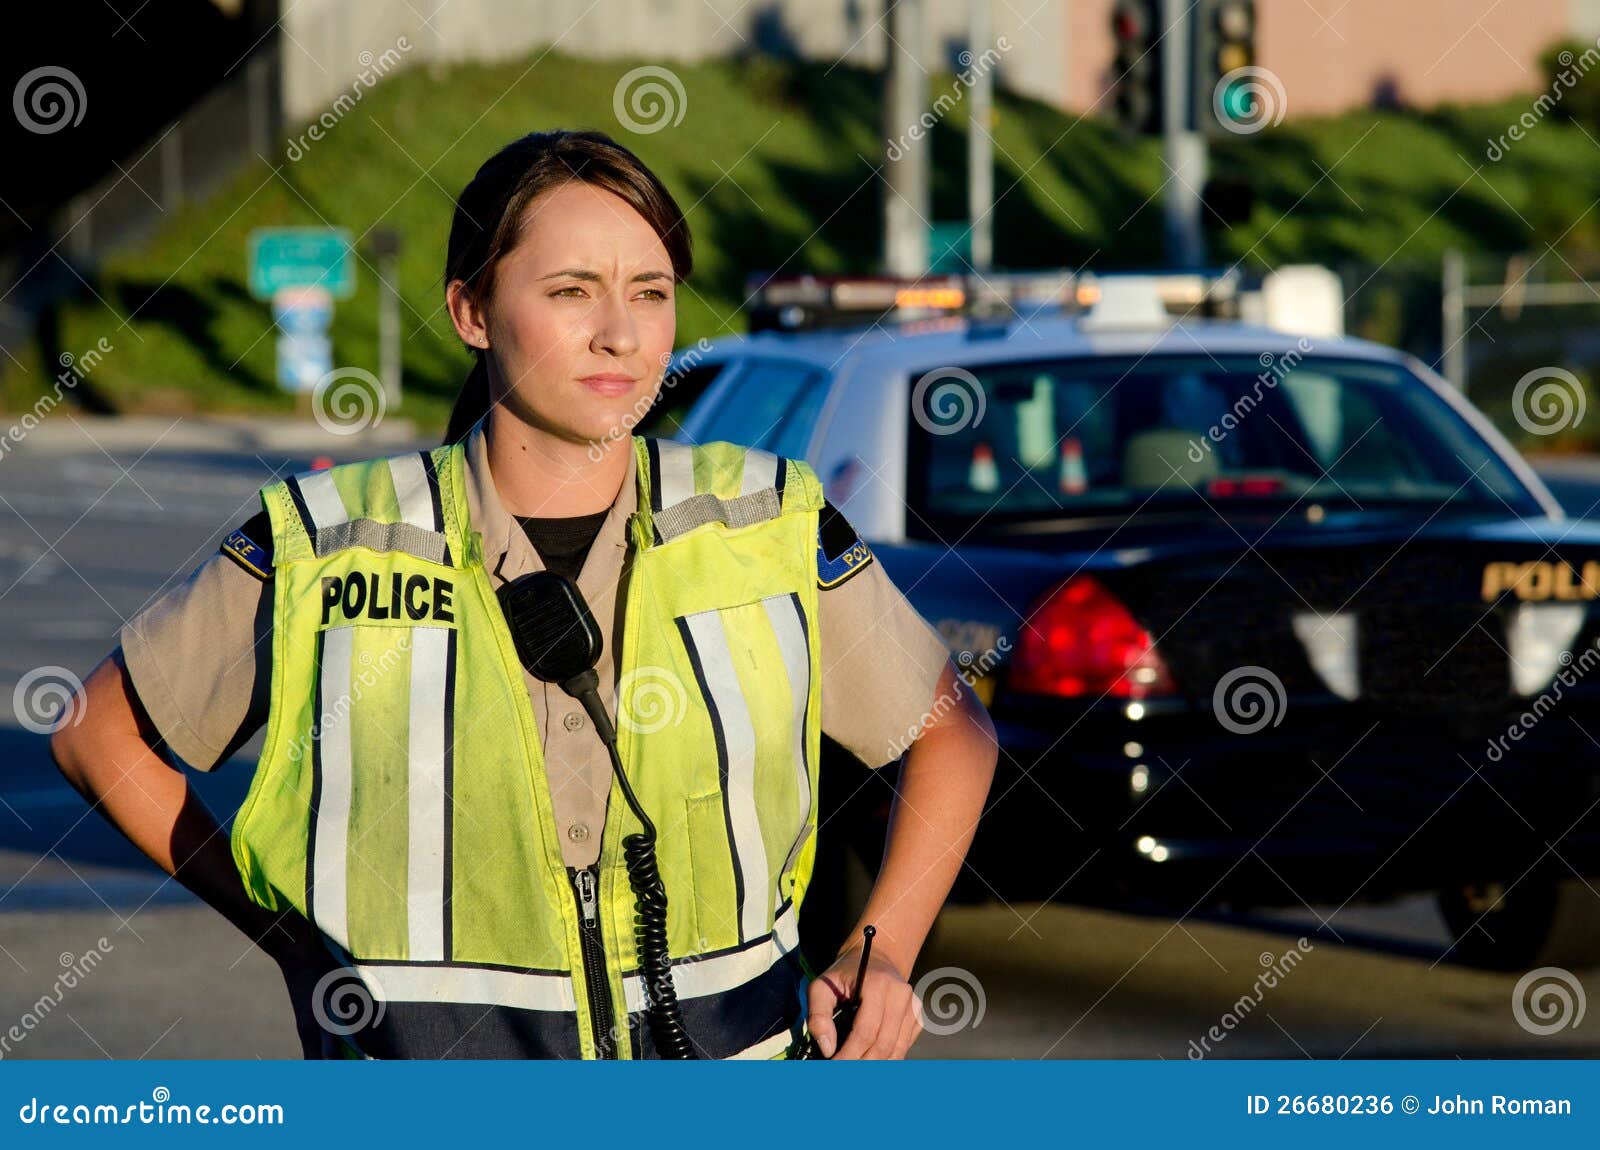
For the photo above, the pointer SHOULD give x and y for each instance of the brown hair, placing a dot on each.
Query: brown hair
(488, 221)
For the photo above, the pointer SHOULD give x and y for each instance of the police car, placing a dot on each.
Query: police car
(1263, 617)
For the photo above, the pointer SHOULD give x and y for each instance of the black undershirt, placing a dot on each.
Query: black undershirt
(564, 543)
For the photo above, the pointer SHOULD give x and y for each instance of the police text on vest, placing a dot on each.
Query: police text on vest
(358, 596)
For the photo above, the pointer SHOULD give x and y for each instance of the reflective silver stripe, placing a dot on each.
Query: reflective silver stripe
(700, 977)
(384, 537)
(760, 470)
(739, 788)
(515, 988)
(677, 471)
(767, 1047)
(330, 875)
(741, 511)
(323, 501)
(425, 794)
(784, 613)
(411, 489)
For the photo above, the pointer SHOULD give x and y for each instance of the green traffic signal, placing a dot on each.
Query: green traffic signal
(1237, 102)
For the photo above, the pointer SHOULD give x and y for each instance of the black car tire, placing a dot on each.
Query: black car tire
(1548, 922)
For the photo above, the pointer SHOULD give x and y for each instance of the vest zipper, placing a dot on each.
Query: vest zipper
(585, 885)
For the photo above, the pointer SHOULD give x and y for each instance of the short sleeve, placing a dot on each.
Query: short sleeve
(200, 656)
(881, 661)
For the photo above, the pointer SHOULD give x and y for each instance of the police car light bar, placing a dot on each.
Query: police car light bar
(800, 303)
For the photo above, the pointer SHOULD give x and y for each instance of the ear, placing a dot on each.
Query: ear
(467, 314)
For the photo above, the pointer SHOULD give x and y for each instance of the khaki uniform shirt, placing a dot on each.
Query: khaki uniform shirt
(200, 658)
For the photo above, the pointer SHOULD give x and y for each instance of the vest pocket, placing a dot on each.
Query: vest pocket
(752, 665)
(711, 868)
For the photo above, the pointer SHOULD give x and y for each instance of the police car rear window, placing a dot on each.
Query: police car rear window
(1067, 437)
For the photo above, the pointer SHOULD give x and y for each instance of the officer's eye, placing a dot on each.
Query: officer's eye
(653, 294)
(569, 293)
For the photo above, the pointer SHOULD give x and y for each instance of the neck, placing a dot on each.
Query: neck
(542, 475)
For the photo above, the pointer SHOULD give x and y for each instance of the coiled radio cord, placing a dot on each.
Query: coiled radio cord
(649, 901)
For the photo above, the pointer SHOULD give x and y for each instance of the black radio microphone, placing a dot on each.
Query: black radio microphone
(558, 642)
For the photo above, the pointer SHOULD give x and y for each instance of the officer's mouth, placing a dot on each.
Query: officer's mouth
(609, 384)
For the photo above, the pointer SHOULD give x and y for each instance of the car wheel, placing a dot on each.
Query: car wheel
(1550, 922)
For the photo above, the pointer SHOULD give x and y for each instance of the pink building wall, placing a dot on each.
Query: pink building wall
(1336, 54)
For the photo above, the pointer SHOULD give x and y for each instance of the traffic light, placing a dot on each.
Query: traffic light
(1136, 31)
(1230, 93)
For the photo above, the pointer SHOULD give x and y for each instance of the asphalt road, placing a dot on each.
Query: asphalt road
(92, 530)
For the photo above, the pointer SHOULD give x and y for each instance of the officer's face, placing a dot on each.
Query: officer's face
(580, 319)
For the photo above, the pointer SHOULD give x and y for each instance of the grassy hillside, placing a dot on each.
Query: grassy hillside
(777, 162)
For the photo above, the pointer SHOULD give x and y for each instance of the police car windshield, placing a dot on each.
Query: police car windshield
(1008, 442)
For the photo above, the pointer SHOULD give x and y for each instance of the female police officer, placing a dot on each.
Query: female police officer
(414, 825)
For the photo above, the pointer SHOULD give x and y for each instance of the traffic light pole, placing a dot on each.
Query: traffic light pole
(980, 144)
(1184, 148)
(906, 207)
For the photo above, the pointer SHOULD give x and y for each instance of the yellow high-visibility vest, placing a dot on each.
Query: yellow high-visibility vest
(401, 802)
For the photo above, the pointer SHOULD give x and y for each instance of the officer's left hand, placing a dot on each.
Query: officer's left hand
(890, 1018)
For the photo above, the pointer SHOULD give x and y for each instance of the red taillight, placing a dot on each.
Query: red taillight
(1081, 640)
(1246, 486)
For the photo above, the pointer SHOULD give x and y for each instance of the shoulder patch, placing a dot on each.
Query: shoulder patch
(250, 546)
(840, 551)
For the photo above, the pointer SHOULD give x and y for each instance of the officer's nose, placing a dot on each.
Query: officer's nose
(615, 333)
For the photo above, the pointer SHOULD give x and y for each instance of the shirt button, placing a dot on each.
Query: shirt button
(573, 721)
(578, 832)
